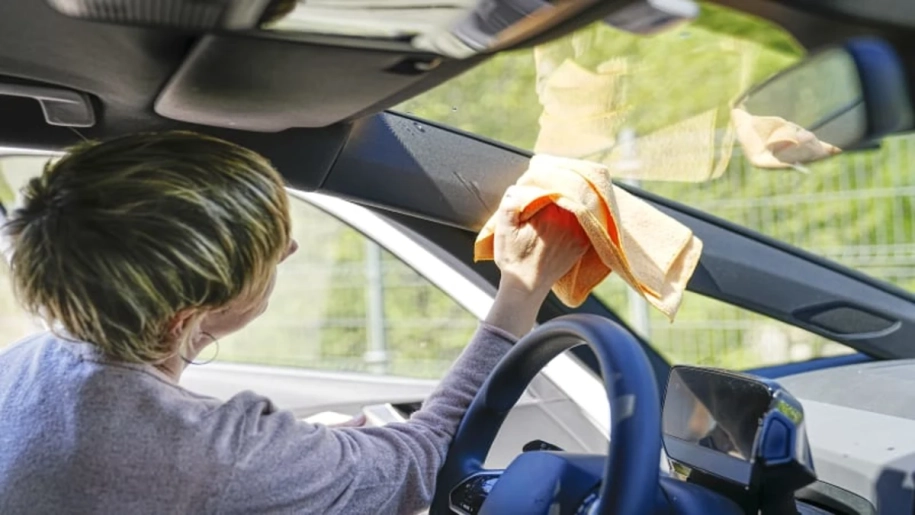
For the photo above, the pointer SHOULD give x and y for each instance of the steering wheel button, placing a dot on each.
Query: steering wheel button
(467, 498)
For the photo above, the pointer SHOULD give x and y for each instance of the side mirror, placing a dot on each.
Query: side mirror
(838, 99)
(737, 434)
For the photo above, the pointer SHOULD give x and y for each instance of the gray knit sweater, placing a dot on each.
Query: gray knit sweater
(82, 434)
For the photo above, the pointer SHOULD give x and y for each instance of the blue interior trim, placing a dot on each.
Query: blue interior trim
(776, 371)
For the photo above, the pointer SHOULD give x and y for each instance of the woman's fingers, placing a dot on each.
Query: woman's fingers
(539, 251)
(510, 208)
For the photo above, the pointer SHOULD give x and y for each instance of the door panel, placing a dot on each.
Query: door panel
(305, 392)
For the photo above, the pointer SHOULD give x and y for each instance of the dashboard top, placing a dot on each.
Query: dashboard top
(860, 423)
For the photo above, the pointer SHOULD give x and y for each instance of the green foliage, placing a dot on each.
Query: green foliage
(318, 316)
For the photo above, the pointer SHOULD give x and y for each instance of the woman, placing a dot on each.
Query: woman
(141, 251)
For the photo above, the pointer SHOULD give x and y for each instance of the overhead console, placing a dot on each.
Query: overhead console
(270, 65)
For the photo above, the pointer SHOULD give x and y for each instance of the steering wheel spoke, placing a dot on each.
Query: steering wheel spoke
(468, 496)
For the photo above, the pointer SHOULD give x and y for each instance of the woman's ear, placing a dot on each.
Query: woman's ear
(181, 323)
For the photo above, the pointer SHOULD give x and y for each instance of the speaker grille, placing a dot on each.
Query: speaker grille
(846, 320)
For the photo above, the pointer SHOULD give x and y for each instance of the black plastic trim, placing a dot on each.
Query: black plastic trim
(857, 11)
(265, 85)
(788, 369)
(836, 499)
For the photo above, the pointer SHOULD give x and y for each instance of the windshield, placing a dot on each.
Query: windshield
(655, 109)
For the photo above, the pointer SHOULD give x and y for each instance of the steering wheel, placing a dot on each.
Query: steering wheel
(537, 482)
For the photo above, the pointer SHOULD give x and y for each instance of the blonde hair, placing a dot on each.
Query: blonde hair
(116, 238)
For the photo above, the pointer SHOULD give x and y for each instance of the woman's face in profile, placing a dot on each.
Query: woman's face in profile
(243, 311)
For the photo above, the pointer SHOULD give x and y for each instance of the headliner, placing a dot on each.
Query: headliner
(125, 69)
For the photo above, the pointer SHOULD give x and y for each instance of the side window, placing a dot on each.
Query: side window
(342, 303)
(15, 324)
(713, 333)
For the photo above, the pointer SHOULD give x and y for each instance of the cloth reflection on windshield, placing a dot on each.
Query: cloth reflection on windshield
(601, 82)
(773, 142)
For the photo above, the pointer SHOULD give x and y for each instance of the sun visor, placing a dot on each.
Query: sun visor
(266, 85)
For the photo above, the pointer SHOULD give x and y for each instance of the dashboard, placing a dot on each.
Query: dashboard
(834, 441)
(859, 421)
(861, 427)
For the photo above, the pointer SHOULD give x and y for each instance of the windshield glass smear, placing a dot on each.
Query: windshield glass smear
(656, 110)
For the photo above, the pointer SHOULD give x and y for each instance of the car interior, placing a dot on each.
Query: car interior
(316, 88)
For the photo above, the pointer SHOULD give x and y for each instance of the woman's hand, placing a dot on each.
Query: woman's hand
(532, 256)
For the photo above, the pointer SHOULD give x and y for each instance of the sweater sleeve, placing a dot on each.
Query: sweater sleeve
(284, 465)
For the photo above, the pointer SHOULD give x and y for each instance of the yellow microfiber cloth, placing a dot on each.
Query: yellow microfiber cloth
(652, 252)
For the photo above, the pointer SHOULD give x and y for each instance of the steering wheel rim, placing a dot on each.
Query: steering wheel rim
(630, 480)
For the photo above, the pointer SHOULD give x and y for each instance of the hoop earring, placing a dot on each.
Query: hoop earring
(207, 362)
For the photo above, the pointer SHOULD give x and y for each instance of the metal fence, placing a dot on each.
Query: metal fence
(342, 303)
(856, 210)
